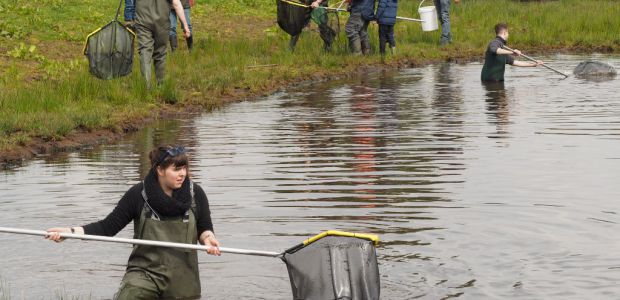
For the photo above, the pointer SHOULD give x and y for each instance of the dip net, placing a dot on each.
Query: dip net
(109, 50)
(334, 265)
(294, 15)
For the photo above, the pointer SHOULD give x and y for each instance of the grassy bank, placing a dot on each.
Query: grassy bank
(46, 92)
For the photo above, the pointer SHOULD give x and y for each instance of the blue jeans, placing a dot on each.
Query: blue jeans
(173, 22)
(130, 10)
(443, 9)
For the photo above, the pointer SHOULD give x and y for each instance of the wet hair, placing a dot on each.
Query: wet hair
(166, 155)
(499, 27)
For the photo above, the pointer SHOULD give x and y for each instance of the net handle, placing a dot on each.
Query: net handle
(118, 10)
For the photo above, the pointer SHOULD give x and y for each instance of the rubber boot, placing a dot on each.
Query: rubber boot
(173, 43)
(365, 44)
(327, 47)
(190, 43)
(356, 47)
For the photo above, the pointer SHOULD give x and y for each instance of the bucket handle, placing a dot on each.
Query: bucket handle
(420, 4)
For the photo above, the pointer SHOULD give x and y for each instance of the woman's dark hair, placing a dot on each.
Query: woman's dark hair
(500, 27)
(166, 155)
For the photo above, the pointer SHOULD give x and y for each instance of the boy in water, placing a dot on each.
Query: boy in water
(496, 57)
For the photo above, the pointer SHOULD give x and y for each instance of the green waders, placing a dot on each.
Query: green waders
(152, 28)
(158, 272)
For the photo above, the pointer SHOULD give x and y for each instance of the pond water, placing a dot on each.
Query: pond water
(477, 192)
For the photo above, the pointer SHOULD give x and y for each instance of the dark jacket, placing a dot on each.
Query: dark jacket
(386, 12)
(495, 64)
(365, 7)
(130, 206)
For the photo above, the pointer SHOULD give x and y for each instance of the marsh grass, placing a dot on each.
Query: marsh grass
(231, 38)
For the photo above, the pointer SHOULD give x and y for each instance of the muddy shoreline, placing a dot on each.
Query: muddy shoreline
(82, 139)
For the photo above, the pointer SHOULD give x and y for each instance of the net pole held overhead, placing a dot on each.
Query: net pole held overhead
(534, 60)
(139, 242)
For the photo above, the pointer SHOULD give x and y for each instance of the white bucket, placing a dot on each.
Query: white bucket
(428, 14)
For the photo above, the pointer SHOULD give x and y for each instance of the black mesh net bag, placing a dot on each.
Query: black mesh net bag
(110, 50)
(334, 265)
(293, 16)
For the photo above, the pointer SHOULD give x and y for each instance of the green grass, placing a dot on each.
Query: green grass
(47, 92)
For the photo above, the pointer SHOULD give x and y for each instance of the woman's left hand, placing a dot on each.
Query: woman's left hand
(208, 239)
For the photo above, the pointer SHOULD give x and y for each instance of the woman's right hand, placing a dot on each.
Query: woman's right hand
(55, 233)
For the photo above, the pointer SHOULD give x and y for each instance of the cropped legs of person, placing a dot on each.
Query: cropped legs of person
(173, 30)
(327, 35)
(443, 9)
(152, 46)
(386, 35)
(357, 33)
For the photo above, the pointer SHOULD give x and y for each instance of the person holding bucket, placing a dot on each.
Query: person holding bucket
(496, 57)
(166, 206)
(443, 9)
(386, 18)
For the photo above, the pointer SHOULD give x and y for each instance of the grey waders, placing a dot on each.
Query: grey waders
(357, 32)
(158, 272)
(152, 26)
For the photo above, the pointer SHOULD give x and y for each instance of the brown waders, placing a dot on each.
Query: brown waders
(152, 27)
(158, 272)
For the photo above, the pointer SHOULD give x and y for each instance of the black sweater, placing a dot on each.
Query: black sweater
(130, 207)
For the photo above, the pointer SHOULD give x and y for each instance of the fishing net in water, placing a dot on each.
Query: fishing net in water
(110, 49)
(334, 265)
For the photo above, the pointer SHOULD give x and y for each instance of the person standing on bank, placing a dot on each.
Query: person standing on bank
(496, 58)
(166, 206)
(362, 12)
(386, 18)
(187, 6)
(443, 9)
(152, 24)
(327, 35)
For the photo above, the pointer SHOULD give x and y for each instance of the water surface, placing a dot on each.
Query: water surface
(482, 192)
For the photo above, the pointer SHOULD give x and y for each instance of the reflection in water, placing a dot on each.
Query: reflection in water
(498, 110)
(405, 155)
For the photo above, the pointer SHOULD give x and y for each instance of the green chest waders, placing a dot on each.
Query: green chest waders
(494, 67)
(173, 271)
(152, 28)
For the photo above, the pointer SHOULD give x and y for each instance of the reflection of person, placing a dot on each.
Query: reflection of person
(496, 58)
(362, 12)
(326, 33)
(166, 206)
(152, 28)
(386, 17)
(497, 104)
(443, 9)
(187, 6)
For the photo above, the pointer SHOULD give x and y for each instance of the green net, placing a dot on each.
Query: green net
(110, 51)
